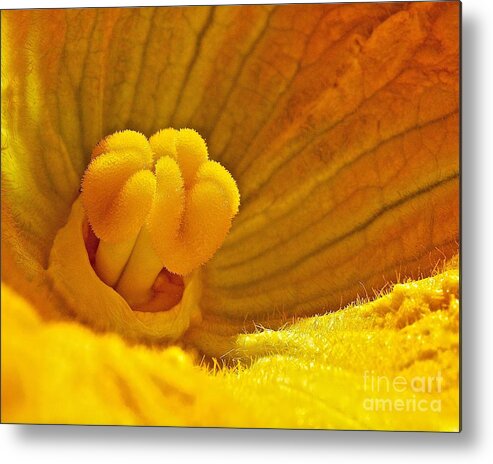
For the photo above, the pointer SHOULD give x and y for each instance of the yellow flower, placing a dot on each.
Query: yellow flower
(339, 124)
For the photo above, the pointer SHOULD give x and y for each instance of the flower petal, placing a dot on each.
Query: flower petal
(314, 374)
(51, 120)
(349, 176)
(339, 124)
(69, 374)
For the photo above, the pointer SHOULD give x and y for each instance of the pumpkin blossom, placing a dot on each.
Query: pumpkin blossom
(242, 216)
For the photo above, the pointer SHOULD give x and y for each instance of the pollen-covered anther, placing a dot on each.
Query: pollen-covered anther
(118, 189)
(155, 204)
(205, 199)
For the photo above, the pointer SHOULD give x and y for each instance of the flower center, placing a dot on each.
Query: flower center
(160, 209)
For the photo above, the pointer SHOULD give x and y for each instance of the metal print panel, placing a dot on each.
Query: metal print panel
(232, 216)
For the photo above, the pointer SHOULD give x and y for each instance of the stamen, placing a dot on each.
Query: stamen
(117, 193)
(210, 204)
(155, 204)
(185, 146)
(142, 269)
(111, 259)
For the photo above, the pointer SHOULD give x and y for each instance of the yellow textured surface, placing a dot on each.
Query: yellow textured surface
(308, 375)
(196, 200)
(118, 188)
(187, 205)
(340, 126)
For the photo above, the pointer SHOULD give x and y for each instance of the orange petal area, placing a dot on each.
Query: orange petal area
(350, 174)
(339, 123)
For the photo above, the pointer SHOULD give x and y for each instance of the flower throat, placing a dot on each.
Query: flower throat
(157, 209)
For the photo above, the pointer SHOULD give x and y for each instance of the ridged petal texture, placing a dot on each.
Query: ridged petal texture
(340, 125)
